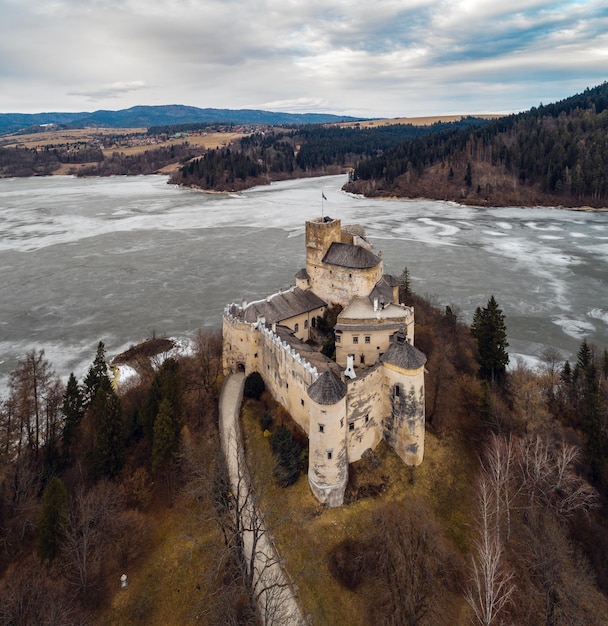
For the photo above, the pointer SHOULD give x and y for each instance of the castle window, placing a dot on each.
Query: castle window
(302, 401)
(355, 339)
(341, 422)
(397, 392)
(368, 339)
(362, 359)
(314, 322)
(351, 426)
(255, 356)
(321, 428)
(305, 323)
(329, 454)
(366, 419)
(337, 338)
(296, 327)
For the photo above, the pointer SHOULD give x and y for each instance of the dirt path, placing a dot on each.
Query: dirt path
(272, 588)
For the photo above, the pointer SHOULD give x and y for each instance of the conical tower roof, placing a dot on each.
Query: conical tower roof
(403, 354)
(327, 389)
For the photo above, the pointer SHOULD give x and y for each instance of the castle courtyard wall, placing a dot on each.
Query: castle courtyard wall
(365, 408)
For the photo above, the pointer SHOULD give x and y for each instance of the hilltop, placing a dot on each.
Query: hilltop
(553, 155)
(165, 115)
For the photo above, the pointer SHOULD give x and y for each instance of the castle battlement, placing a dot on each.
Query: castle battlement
(383, 396)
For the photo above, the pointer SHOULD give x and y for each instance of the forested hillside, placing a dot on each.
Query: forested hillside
(553, 154)
(308, 150)
(505, 521)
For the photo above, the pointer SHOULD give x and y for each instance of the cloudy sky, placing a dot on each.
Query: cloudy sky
(370, 58)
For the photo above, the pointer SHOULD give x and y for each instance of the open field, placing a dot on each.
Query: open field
(105, 135)
(416, 121)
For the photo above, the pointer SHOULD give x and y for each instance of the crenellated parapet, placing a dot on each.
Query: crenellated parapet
(372, 390)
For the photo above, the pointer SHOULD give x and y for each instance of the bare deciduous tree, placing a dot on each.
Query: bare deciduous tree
(491, 585)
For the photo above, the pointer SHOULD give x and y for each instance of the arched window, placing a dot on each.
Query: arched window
(296, 327)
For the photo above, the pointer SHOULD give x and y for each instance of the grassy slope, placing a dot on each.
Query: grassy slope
(168, 585)
(306, 532)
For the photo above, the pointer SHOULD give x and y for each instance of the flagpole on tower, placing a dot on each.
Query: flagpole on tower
(323, 200)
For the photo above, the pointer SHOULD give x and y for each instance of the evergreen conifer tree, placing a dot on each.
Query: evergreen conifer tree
(165, 438)
(97, 376)
(73, 410)
(109, 447)
(490, 331)
(52, 519)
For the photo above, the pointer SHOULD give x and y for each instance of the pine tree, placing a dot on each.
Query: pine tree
(490, 331)
(97, 376)
(109, 447)
(73, 412)
(405, 285)
(165, 438)
(165, 386)
(52, 519)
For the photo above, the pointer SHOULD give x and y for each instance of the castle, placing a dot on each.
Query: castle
(375, 387)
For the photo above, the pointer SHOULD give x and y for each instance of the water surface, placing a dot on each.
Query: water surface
(119, 259)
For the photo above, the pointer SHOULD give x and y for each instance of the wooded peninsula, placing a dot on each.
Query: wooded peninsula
(551, 155)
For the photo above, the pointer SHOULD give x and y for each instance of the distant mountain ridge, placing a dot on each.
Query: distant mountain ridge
(164, 115)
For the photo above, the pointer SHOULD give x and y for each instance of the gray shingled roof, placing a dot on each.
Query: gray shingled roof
(403, 354)
(303, 274)
(382, 290)
(284, 305)
(355, 257)
(327, 389)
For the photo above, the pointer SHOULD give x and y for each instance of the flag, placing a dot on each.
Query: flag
(323, 194)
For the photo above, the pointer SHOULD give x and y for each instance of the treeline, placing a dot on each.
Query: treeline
(302, 151)
(43, 162)
(560, 150)
(219, 169)
(147, 162)
(85, 469)
(505, 521)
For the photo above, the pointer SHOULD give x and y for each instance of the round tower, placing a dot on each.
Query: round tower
(404, 426)
(328, 459)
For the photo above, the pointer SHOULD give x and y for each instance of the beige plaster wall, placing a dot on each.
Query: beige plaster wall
(365, 407)
(404, 423)
(240, 346)
(339, 285)
(327, 454)
(303, 322)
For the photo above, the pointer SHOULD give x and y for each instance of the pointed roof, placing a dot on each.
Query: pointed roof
(327, 389)
(403, 354)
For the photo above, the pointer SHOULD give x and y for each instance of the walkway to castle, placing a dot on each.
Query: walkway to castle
(276, 600)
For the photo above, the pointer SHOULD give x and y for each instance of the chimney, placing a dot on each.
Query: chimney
(350, 370)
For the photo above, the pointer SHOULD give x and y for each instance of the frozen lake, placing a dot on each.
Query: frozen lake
(119, 259)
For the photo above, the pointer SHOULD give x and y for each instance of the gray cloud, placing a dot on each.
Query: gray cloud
(391, 57)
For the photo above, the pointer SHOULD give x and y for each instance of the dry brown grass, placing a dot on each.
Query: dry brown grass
(168, 585)
(305, 532)
(415, 121)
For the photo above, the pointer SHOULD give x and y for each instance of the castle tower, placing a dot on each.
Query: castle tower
(320, 234)
(404, 378)
(328, 459)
